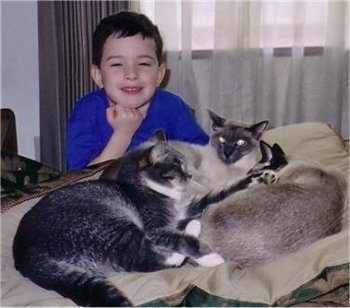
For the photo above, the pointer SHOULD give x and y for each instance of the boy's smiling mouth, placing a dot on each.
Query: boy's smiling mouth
(131, 90)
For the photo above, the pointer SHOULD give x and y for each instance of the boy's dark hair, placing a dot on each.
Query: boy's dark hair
(126, 24)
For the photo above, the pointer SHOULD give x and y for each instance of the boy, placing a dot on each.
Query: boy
(129, 107)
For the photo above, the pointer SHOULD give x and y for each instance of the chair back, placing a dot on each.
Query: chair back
(8, 131)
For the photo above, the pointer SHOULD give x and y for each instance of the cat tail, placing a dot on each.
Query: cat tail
(85, 289)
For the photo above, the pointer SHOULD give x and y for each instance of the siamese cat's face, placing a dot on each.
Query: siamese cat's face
(232, 141)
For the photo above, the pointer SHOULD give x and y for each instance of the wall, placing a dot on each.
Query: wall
(20, 71)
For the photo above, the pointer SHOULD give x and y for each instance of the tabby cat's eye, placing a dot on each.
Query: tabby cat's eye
(240, 142)
(221, 139)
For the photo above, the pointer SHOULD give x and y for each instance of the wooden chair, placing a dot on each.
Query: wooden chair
(8, 131)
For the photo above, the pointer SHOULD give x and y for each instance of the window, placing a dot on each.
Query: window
(285, 23)
(203, 21)
(279, 25)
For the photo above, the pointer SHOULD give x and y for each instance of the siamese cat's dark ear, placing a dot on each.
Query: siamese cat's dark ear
(279, 157)
(266, 152)
(217, 121)
(277, 150)
(258, 129)
(266, 157)
(272, 157)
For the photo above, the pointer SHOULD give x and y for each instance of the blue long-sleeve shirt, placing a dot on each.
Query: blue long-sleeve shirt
(88, 131)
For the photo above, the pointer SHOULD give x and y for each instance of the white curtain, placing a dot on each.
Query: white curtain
(285, 61)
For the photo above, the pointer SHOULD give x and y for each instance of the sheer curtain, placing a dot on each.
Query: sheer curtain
(285, 61)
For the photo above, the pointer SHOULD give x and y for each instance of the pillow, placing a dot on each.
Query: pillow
(317, 142)
(315, 275)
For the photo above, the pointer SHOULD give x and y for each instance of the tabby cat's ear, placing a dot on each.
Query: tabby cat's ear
(258, 129)
(218, 122)
(159, 135)
(158, 151)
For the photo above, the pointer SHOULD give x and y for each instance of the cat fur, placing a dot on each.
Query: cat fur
(261, 223)
(77, 236)
(216, 164)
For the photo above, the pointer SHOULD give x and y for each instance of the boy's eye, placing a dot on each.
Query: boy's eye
(144, 64)
(116, 64)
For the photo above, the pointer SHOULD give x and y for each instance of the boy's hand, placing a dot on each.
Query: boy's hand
(124, 120)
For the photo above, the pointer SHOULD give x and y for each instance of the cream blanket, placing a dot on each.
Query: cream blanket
(308, 275)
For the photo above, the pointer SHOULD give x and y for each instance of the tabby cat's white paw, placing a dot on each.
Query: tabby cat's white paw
(175, 259)
(193, 228)
(209, 260)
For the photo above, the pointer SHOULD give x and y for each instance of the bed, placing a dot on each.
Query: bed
(317, 275)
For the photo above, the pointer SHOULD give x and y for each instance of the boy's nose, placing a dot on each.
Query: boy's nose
(131, 73)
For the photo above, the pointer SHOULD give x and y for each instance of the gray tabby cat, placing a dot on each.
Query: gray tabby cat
(77, 236)
(261, 223)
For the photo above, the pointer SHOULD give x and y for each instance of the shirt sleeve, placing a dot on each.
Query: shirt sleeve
(186, 127)
(83, 141)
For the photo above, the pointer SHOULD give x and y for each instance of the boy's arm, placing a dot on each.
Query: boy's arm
(125, 122)
(115, 148)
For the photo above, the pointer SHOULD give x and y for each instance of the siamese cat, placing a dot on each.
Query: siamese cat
(262, 223)
(232, 151)
(77, 236)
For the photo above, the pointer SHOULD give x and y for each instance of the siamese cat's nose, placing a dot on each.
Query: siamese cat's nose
(228, 150)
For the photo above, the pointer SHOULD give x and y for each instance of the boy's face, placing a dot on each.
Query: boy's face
(129, 70)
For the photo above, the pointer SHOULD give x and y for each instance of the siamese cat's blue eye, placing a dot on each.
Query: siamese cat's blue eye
(241, 142)
(221, 139)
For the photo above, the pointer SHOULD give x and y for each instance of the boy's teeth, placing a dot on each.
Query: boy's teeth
(131, 90)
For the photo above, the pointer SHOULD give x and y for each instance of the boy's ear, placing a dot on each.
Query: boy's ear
(96, 76)
(161, 73)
